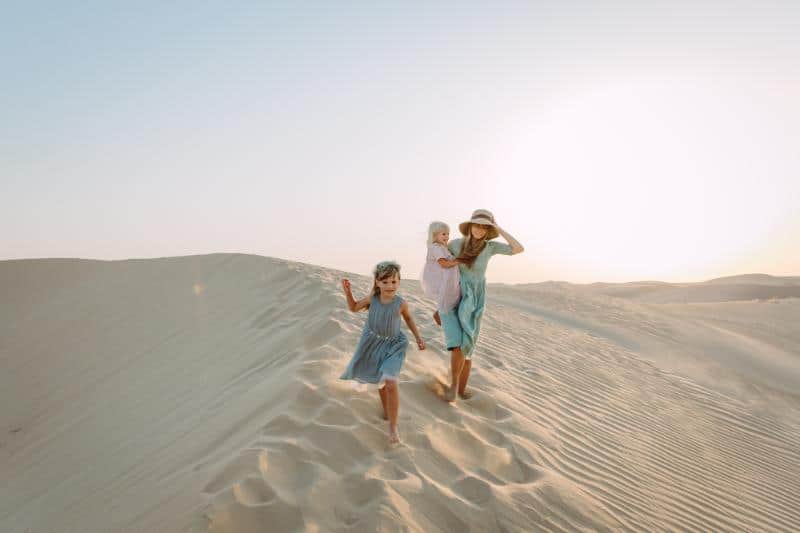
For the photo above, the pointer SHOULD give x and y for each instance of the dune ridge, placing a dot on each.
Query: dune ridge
(201, 394)
(727, 289)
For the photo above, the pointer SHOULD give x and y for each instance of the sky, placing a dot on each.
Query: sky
(617, 141)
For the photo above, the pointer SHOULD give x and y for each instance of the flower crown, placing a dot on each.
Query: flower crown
(385, 267)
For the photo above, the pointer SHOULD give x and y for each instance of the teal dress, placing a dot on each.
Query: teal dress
(462, 325)
(382, 349)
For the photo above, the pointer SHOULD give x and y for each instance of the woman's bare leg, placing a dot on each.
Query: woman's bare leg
(456, 366)
(463, 378)
(437, 319)
(393, 406)
(382, 392)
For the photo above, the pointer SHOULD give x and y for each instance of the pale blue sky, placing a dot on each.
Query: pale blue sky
(616, 140)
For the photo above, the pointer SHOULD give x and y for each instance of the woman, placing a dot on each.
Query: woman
(462, 324)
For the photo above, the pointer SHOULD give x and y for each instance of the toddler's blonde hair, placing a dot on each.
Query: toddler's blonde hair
(434, 228)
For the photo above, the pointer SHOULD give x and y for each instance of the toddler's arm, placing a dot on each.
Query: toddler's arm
(446, 263)
(352, 304)
(411, 325)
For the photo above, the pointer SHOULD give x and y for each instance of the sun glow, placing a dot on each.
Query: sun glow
(647, 180)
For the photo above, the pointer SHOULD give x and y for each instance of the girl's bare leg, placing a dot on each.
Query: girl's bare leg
(393, 405)
(463, 378)
(382, 392)
(437, 319)
(456, 367)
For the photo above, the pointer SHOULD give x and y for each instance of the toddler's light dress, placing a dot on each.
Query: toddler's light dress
(439, 283)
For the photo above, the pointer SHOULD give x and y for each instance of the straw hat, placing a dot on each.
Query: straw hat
(483, 217)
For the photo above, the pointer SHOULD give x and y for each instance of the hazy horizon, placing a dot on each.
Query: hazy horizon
(405, 275)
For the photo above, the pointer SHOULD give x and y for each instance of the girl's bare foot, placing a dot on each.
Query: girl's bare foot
(394, 436)
(437, 319)
(465, 394)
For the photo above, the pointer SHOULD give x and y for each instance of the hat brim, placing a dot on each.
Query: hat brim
(491, 233)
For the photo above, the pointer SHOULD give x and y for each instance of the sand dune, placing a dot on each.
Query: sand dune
(201, 393)
(756, 279)
(727, 345)
(733, 288)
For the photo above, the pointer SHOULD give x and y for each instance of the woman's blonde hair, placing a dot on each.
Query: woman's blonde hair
(383, 270)
(434, 228)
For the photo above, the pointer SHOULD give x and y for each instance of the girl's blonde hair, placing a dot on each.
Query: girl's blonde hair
(434, 228)
(383, 270)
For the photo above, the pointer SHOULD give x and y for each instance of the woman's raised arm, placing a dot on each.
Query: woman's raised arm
(516, 247)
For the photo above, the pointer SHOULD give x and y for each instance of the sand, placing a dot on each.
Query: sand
(201, 394)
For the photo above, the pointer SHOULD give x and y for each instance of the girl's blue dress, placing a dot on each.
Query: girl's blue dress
(382, 348)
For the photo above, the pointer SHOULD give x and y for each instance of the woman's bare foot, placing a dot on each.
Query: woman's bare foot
(437, 319)
(394, 436)
(466, 394)
(450, 395)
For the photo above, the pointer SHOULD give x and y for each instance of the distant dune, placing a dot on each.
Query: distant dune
(201, 394)
(734, 288)
(757, 279)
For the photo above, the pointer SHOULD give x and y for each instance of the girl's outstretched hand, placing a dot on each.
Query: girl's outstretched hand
(346, 285)
(420, 344)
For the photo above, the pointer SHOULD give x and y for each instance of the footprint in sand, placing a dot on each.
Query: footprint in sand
(309, 401)
(335, 415)
(253, 491)
(473, 490)
(364, 410)
(341, 448)
(243, 465)
(346, 516)
(288, 473)
(363, 492)
(467, 449)
(486, 432)
(387, 471)
(281, 426)
(480, 401)
(501, 414)
(247, 494)
(239, 517)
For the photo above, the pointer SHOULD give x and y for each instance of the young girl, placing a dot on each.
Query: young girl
(439, 279)
(382, 348)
